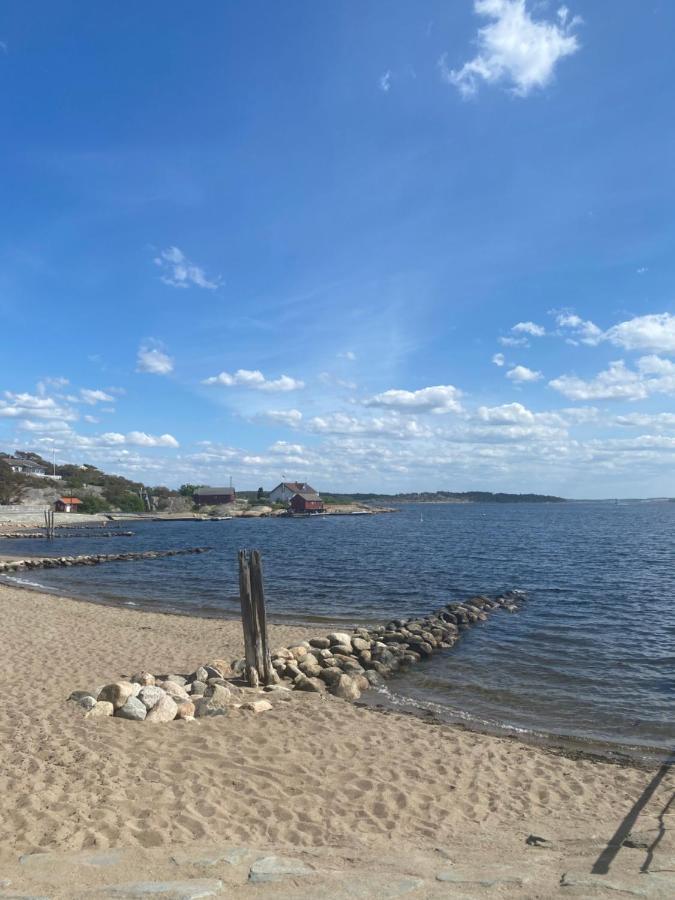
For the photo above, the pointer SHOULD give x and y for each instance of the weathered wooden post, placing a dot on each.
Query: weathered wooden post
(254, 619)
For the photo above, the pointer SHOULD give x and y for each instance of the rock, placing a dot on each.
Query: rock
(310, 667)
(87, 702)
(175, 690)
(257, 706)
(79, 695)
(282, 653)
(374, 678)
(331, 675)
(133, 709)
(186, 710)
(238, 667)
(222, 699)
(275, 868)
(362, 682)
(102, 709)
(198, 688)
(292, 671)
(320, 643)
(192, 889)
(533, 840)
(340, 637)
(311, 685)
(143, 678)
(218, 668)
(299, 652)
(201, 674)
(164, 711)
(345, 688)
(117, 693)
(359, 643)
(277, 689)
(151, 695)
(344, 650)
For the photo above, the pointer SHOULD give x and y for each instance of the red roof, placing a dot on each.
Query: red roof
(70, 500)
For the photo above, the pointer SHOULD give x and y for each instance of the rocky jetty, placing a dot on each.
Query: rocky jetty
(341, 663)
(92, 559)
(88, 533)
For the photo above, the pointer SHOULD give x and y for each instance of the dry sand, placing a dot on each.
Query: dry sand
(349, 789)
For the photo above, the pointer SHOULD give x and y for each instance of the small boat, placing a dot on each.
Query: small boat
(359, 512)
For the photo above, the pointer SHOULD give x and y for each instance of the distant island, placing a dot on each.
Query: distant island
(443, 497)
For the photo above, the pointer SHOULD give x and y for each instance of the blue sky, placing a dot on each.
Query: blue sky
(378, 246)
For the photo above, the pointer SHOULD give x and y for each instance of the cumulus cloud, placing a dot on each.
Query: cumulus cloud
(514, 48)
(255, 380)
(521, 375)
(386, 426)
(153, 360)
(529, 328)
(385, 81)
(178, 271)
(507, 414)
(34, 406)
(442, 398)
(498, 359)
(618, 382)
(655, 333)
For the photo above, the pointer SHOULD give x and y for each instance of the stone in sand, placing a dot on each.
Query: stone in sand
(331, 675)
(320, 643)
(274, 868)
(340, 637)
(311, 685)
(164, 711)
(102, 709)
(346, 688)
(198, 688)
(151, 695)
(257, 706)
(186, 710)
(117, 693)
(143, 678)
(133, 709)
(175, 690)
(87, 702)
(310, 667)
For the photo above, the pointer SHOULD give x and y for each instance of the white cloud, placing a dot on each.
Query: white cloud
(498, 359)
(141, 439)
(529, 328)
(442, 398)
(393, 426)
(154, 361)
(290, 417)
(507, 414)
(32, 406)
(178, 271)
(385, 81)
(348, 354)
(653, 376)
(93, 397)
(521, 374)
(255, 380)
(514, 342)
(584, 330)
(654, 333)
(645, 420)
(514, 49)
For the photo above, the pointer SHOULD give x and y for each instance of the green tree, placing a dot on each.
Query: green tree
(10, 484)
(187, 490)
(92, 503)
(261, 493)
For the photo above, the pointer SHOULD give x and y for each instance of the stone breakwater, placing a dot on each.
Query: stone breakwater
(92, 559)
(341, 663)
(89, 533)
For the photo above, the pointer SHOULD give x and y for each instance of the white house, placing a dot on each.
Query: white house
(283, 492)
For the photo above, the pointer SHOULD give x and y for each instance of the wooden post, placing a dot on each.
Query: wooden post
(254, 620)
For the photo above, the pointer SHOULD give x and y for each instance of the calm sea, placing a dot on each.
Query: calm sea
(591, 656)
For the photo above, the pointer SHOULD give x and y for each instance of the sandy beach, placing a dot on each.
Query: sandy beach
(343, 789)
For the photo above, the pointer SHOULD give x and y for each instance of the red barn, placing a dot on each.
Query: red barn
(306, 503)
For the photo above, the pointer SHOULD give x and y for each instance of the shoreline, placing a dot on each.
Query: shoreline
(315, 777)
(567, 746)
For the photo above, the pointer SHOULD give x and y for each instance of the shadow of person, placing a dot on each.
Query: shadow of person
(608, 855)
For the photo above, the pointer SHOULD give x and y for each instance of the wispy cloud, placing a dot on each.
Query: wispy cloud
(384, 81)
(153, 360)
(514, 48)
(530, 328)
(92, 397)
(254, 379)
(178, 271)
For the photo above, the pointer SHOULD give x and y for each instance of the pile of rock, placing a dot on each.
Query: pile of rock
(92, 559)
(341, 664)
(347, 664)
(148, 698)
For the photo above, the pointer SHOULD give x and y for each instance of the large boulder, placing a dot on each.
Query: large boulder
(150, 695)
(346, 688)
(175, 690)
(133, 709)
(102, 709)
(340, 637)
(164, 711)
(186, 710)
(117, 693)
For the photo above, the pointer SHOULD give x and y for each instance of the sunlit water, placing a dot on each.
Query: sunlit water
(590, 656)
